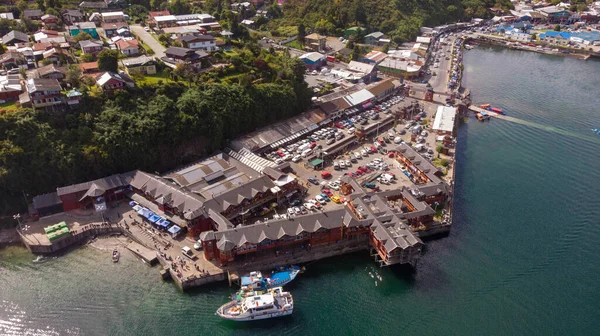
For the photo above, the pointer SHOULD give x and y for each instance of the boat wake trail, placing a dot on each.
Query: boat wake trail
(548, 128)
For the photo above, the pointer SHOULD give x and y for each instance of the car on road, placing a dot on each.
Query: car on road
(313, 181)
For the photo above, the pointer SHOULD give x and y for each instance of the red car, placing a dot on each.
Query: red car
(312, 145)
(327, 192)
(325, 175)
(373, 149)
(358, 172)
(280, 154)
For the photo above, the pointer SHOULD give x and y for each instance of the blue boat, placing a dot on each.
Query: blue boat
(280, 277)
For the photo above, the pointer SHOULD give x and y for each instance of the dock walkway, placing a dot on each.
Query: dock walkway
(148, 255)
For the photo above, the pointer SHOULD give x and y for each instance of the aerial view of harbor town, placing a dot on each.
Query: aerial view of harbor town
(299, 167)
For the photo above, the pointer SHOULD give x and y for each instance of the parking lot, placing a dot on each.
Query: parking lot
(366, 159)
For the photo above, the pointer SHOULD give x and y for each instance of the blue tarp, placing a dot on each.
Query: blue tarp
(136, 207)
(163, 222)
(132, 203)
(174, 229)
(154, 218)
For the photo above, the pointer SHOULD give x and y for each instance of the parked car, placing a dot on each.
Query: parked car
(313, 181)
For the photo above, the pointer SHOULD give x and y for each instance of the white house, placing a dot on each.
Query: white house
(203, 42)
(520, 37)
(444, 120)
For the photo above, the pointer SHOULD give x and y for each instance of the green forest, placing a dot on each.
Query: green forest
(154, 127)
(400, 19)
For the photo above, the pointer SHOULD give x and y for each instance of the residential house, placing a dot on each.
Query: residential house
(112, 29)
(55, 55)
(353, 32)
(315, 42)
(204, 42)
(128, 47)
(520, 37)
(110, 81)
(10, 88)
(313, 60)
(373, 38)
(11, 59)
(46, 34)
(72, 16)
(93, 5)
(176, 55)
(88, 68)
(113, 17)
(33, 14)
(44, 92)
(7, 16)
(91, 47)
(96, 18)
(367, 72)
(554, 14)
(86, 27)
(143, 64)
(49, 20)
(166, 19)
(248, 23)
(74, 97)
(51, 71)
(14, 37)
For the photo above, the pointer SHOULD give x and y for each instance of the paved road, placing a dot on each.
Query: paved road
(159, 50)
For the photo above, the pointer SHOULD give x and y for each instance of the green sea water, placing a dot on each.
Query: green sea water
(523, 257)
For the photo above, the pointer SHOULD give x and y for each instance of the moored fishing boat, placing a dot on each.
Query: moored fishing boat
(497, 110)
(115, 255)
(485, 106)
(274, 303)
(284, 275)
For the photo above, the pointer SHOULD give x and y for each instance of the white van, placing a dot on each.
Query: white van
(306, 152)
(187, 252)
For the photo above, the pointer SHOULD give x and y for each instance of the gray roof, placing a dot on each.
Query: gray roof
(89, 43)
(32, 13)
(42, 84)
(192, 38)
(46, 200)
(15, 35)
(72, 12)
(94, 188)
(273, 173)
(236, 196)
(165, 192)
(420, 162)
(178, 51)
(141, 60)
(277, 229)
(376, 35)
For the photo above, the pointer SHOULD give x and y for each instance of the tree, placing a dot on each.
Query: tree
(82, 36)
(301, 32)
(356, 52)
(557, 28)
(179, 7)
(108, 60)
(22, 5)
(73, 75)
(41, 5)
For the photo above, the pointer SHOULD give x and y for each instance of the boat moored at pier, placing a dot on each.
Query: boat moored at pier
(274, 303)
(256, 281)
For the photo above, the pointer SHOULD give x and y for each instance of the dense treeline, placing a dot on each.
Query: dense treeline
(400, 19)
(153, 127)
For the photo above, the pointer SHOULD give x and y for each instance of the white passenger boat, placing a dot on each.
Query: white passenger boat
(274, 303)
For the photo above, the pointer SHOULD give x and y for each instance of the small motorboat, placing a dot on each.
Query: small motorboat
(282, 276)
(497, 110)
(115, 255)
(485, 106)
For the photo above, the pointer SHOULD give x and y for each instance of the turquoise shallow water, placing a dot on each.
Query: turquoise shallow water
(523, 257)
